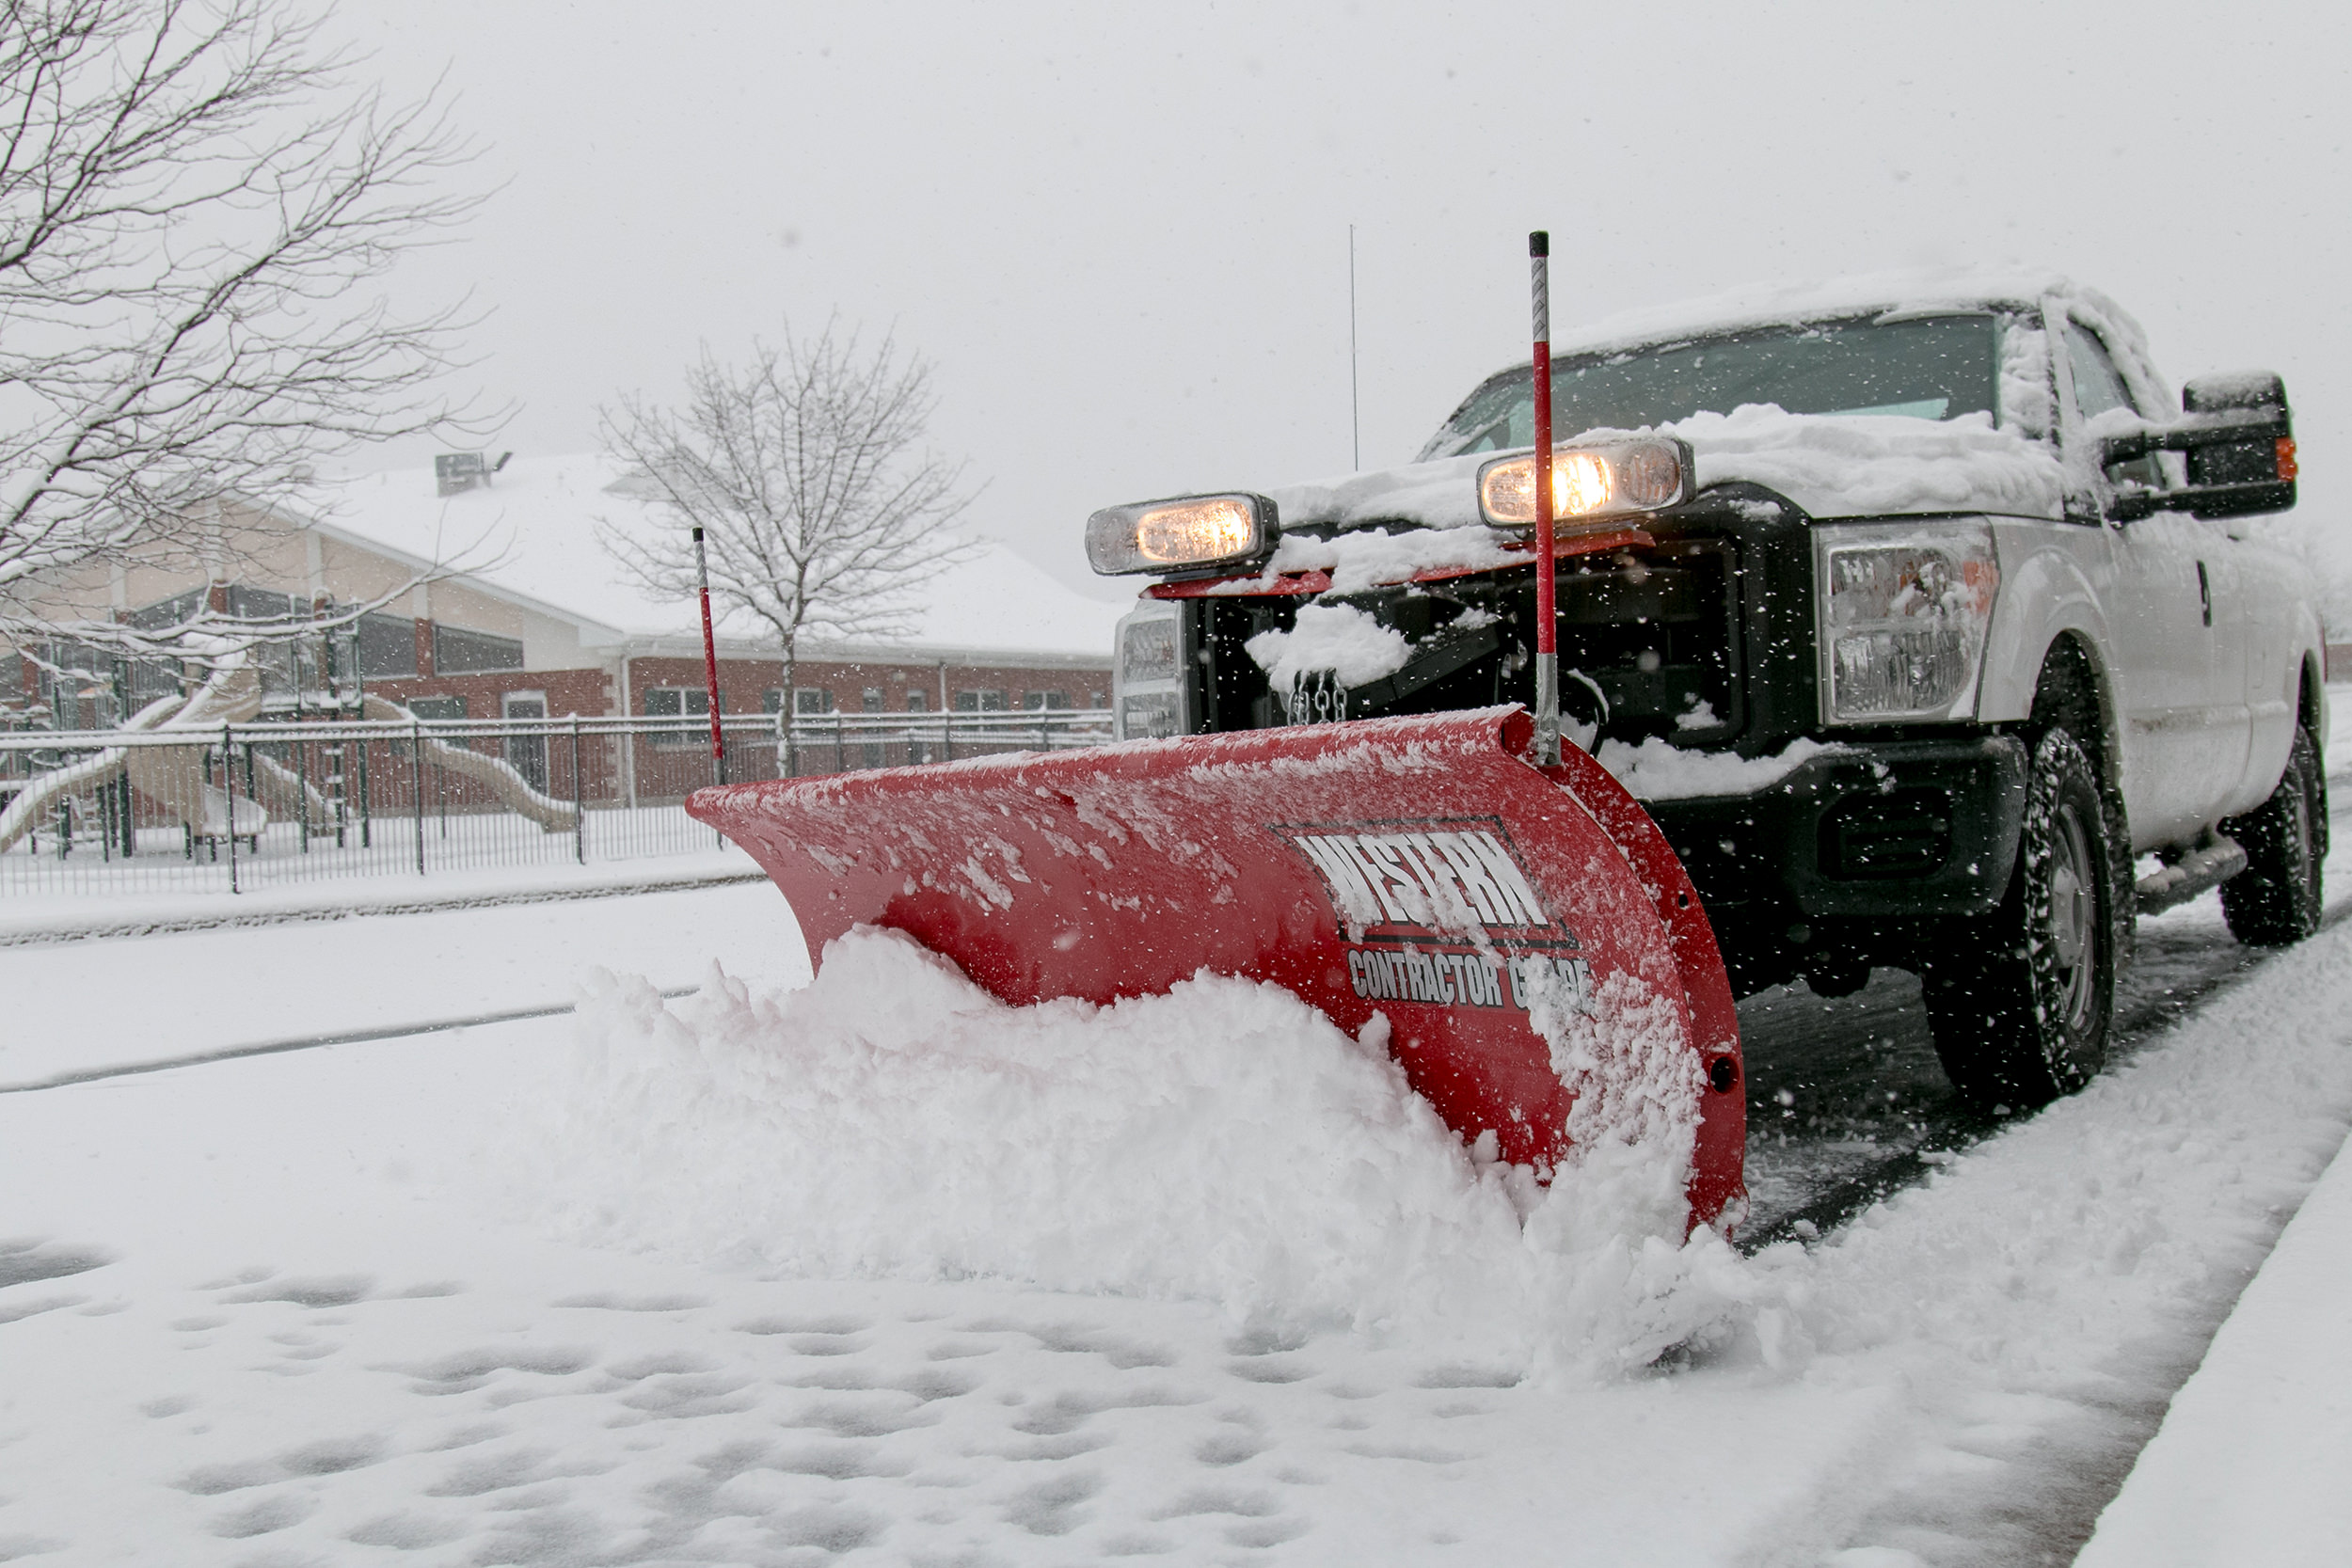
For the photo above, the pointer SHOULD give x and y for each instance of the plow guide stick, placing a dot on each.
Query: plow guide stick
(710, 664)
(1421, 868)
(1547, 608)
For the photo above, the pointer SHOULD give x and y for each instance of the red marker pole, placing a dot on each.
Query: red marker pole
(710, 663)
(1546, 610)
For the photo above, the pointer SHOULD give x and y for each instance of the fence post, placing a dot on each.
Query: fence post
(229, 799)
(626, 737)
(302, 789)
(580, 815)
(367, 811)
(130, 822)
(339, 780)
(416, 784)
(840, 753)
(947, 737)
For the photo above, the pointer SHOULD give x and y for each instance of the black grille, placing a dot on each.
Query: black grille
(1655, 632)
(1650, 636)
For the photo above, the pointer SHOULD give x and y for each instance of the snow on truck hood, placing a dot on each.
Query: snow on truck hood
(1831, 465)
(1877, 465)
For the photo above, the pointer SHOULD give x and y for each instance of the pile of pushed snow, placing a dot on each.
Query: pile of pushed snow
(1223, 1142)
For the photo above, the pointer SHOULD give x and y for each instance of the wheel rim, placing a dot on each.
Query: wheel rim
(2074, 919)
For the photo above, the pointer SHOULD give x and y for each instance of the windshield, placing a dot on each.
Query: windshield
(1926, 368)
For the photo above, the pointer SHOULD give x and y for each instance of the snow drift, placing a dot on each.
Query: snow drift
(1223, 1142)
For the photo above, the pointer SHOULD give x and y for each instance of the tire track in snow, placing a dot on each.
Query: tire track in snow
(305, 1042)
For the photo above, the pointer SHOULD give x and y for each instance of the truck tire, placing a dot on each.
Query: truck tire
(2276, 900)
(2020, 1001)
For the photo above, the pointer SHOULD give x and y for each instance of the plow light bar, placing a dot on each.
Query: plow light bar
(1608, 479)
(1186, 532)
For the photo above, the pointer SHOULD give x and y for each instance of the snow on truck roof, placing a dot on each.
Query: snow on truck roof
(1906, 289)
(532, 533)
(1855, 465)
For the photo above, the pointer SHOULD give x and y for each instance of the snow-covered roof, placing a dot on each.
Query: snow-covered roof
(531, 534)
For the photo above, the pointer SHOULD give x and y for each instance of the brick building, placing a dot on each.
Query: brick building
(527, 616)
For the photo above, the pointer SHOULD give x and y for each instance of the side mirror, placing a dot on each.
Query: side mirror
(2239, 440)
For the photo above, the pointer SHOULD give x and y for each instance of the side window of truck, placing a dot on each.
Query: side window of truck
(2099, 386)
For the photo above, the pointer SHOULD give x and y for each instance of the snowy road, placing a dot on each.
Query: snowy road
(318, 1308)
(1845, 1093)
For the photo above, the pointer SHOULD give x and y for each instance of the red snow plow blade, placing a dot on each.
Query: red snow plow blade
(1418, 868)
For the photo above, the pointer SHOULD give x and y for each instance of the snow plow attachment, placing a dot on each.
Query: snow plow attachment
(1417, 867)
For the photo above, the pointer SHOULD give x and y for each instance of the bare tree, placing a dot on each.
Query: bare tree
(805, 467)
(192, 199)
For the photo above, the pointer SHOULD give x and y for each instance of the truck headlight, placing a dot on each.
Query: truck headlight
(1184, 531)
(1147, 678)
(1904, 608)
(1603, 479)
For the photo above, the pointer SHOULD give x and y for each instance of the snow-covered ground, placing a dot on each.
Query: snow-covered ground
(735, 1279)
(89, 1006)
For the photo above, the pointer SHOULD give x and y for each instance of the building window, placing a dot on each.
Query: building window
(458, 652)
(980, 701)
(812, 699)
(434, 710)
(387, 648)
(151, 678)
(871, 699)
(527, 753)
(918, 702)
(260, 604)
(684, 704)
(672, 702)
(173, 611)
(281, 662)
(1036, 701)
(1095, 699)
(771, 700)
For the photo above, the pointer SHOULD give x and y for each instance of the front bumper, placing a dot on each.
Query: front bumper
(1871, 829)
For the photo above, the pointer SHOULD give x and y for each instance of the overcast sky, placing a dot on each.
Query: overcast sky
(1121, 232)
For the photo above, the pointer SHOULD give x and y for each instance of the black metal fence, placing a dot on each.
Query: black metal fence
(245, 806)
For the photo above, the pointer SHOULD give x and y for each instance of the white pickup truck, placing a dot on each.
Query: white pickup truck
(1933, 629)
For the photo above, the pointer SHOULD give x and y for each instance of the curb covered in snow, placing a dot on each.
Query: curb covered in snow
(2251, 1461)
